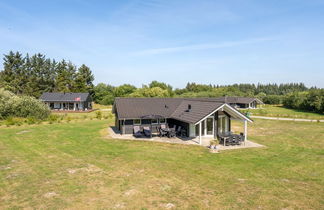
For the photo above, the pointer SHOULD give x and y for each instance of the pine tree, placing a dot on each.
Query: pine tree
(12, 76)
(84, 79)
(65, 76)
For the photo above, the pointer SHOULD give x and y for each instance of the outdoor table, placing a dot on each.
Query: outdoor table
(167, 130)
(225, 137)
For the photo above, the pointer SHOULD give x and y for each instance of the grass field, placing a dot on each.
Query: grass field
(74, 165)
(280, 111)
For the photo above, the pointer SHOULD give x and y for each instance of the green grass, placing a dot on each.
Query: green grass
(85, 115)
(280, 111)
(99, 106)
(73, 165)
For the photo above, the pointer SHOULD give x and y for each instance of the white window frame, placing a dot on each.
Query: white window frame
(162, 119)
(221, 117)
(210, 117)
(140, 122)
(155, 123)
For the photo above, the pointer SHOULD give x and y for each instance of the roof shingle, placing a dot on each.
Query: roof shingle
(65, 97)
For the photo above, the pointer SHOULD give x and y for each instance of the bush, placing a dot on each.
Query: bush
(272, 99)
(53, 118)
(312, 100)
(99, 115)
(214, 142)
(31, 120)
(12, 105)
(68, 119)
(13, 121)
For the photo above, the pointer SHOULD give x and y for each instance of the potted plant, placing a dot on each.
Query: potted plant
(214, 144)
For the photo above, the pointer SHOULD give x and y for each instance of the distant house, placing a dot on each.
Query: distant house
(198, 117)
(241, 102)
(67, 101)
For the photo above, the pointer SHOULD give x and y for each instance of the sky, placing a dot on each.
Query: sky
(175, 41)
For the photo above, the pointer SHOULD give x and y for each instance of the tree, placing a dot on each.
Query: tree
(124, 90)
(83, 80)
(65, 77)
(103, 94)
(40, 74)
(13, 76)
(150, 92)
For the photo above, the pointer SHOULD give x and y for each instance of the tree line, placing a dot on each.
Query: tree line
(33, 75)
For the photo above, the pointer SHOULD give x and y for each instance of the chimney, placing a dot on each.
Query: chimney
(189, 106)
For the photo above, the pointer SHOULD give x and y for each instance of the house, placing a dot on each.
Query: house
(67, 101)
(199, 117)
(241, 102)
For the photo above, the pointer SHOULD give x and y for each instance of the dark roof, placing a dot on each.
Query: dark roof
(238, 100)
(199, 109)
(65, 97)
(130, 108)
(176, 108)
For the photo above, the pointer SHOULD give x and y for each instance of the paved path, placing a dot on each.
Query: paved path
(287, 119)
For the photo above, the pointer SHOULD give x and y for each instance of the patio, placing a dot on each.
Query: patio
(205, 141)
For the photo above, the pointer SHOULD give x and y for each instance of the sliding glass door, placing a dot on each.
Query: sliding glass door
(222, 124)
(210, 126)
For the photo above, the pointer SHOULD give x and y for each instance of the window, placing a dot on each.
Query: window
(154, 121)
(162, 120)
(137, 121)
(128, 122)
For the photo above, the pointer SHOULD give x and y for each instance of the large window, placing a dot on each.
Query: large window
(222, 124)
(137, 121)
(210, 126)
(162, 120)
(154, 121)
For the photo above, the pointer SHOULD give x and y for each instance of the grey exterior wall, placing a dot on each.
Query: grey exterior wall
(82, 105)
(183, 125)
(128, 127)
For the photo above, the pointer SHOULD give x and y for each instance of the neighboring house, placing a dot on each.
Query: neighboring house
(200, 117)
(67, 101)
(241, 102)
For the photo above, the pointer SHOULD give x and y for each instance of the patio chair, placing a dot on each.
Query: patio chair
(163, 126)
(147, 131)
(162, 132)
(137, 131)
(172, 132)
(241, 138)
(178, 132)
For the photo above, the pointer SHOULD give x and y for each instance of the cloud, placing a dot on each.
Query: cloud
(196, 47)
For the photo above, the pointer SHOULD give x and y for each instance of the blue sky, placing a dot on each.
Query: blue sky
(217, 42)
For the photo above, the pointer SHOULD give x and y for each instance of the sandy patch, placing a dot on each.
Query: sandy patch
(89, 169)
(50, 194)
(169, 206)
(22, 132)
(131, 192)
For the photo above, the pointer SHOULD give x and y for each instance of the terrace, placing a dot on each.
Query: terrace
(114, 133)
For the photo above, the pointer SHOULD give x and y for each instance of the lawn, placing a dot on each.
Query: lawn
(280, 111)
(75, 165)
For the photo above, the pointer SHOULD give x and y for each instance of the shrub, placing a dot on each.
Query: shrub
(214, 142)
(272, 99)
(12, 105)
(31, 120)
(312, 100)
(68, 119)
(53, 118)
(99, 115)
(13, 121)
